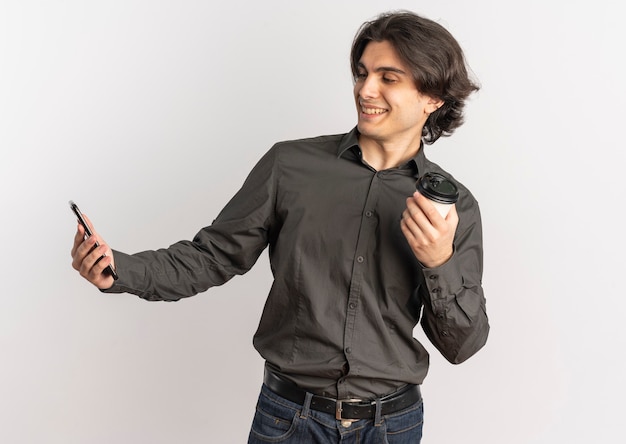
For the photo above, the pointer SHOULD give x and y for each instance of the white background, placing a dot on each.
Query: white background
(149, 114)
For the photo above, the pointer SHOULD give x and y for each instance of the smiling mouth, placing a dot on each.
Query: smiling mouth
(373, 111)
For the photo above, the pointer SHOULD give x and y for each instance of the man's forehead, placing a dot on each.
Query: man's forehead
(382, 56)
(384, 68)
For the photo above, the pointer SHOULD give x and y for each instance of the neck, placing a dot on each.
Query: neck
(382, 156)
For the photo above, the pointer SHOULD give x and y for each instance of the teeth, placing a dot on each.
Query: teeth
(373, 110)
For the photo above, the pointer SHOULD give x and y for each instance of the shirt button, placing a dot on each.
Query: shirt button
(348, 350)
(360, 259)
(369, 213)
(352, 305)
(436, 290)
(433, 277)
(444, 333)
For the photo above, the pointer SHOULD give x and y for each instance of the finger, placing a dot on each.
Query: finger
(419, 242)
(96, 274)
(94, 234)
(429, 210)
(418, 219)
(81, 251)
(426, 232)
(408, 232)
(97, 240)
(79, 237)
(433, 225)
(90, 266)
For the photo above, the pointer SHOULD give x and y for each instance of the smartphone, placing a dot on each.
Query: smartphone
(108, 270)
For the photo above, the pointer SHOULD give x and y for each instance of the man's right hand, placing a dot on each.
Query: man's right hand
(90, 261)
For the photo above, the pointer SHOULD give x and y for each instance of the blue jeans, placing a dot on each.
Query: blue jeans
(278, 420)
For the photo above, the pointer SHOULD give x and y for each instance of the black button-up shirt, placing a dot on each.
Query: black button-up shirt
(347, 289)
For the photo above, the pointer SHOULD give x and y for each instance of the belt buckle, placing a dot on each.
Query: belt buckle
(339, 410)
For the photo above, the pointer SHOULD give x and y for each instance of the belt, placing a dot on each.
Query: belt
(344, 408)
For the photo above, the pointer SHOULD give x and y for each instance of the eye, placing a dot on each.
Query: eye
(389, 80)
(360, 75)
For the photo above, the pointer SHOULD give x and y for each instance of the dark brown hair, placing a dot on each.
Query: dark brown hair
(435, 59)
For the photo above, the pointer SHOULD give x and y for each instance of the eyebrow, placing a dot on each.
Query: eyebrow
(383, 69)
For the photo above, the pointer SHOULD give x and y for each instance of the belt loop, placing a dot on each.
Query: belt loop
(378, 419)
(306, 407)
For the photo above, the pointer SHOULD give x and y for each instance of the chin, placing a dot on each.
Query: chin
(368, 131)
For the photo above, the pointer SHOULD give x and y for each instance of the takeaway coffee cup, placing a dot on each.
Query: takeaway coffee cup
(441, 191)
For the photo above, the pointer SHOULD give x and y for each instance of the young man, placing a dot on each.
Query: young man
(358, 256)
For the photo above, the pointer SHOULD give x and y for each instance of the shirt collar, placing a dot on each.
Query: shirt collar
(350, 141)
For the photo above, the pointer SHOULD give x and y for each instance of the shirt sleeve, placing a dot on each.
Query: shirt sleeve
(229, 246)
(454, 316)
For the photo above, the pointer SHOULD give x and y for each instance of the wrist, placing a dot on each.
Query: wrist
(437, 261)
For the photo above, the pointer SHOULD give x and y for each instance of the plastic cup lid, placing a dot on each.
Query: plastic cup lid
(437, 188)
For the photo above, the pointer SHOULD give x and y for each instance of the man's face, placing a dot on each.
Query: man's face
(390, 108)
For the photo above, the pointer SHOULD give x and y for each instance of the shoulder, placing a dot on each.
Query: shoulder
(292, 153)
(318, 142)
(467, 203)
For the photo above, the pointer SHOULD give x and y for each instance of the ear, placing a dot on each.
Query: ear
(433, 104)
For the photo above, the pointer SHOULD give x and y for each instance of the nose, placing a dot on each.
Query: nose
(368, 88)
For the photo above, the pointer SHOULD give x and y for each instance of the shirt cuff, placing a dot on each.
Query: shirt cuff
(444, 280)
(123, 263)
